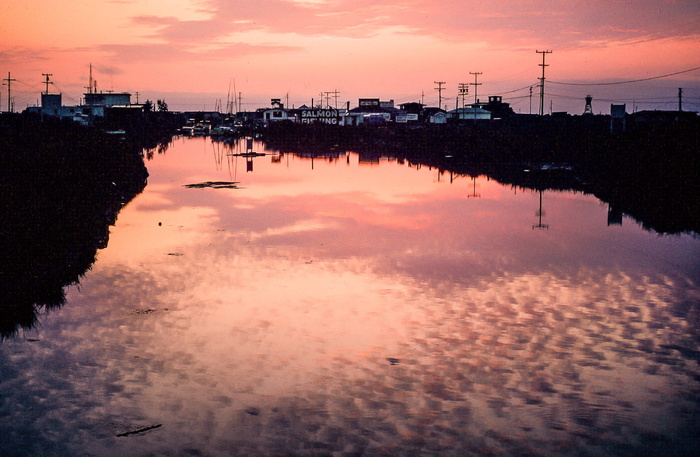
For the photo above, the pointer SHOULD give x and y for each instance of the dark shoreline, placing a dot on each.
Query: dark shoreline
(650, 172)
(61, 187)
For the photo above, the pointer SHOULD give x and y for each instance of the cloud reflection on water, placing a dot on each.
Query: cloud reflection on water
(273, 327)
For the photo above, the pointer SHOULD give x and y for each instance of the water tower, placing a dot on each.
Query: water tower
(588, 109)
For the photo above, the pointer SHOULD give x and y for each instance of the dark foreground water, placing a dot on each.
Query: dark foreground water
(343, 308)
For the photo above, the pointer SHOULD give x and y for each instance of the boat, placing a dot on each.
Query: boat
(188, 129)
(223, 130)
(201, 128)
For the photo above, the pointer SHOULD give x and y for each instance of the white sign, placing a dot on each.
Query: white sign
(325, 116)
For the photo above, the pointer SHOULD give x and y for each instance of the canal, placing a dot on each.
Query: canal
(338, 305)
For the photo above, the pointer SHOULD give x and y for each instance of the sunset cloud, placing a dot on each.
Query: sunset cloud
(362, 47)
(168, 52)
(560, 23)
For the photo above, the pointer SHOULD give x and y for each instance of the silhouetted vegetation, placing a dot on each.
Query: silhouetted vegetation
(62, 186)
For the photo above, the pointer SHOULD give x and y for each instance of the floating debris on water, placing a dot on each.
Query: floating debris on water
(140, 430)
(144, 311)
(214, 185)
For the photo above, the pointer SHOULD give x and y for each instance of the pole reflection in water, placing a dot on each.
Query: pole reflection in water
(361, 308)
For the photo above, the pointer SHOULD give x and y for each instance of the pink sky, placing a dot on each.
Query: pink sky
(188, 52)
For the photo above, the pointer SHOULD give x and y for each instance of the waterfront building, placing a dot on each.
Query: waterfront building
(107, 99)
(95, 105)
(52, 105)
(434, 115)
(277, 113)
(618, 118)
(470, 113)
(373, 111)
(495, 106)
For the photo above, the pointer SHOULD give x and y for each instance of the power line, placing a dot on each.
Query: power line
(626, 82)
(515, 90)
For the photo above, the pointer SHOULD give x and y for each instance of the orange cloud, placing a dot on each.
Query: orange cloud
(393, 49)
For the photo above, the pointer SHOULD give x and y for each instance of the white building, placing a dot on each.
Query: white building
(95, 105)
(108, 99)
(52, 105)
(469, 113)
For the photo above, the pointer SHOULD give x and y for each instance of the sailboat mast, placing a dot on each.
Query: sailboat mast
(228, 98)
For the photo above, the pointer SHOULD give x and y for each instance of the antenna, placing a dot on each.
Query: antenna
(90, 84)
(543, 65)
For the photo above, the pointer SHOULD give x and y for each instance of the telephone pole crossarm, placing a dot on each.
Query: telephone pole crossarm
(475, 84)
(9, 80)
(463, 91)
(439, 89)
(543, 65)
(48, 81)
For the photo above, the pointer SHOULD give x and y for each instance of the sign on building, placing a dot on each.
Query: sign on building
(325, 116)
(404, 118)
(364, 102)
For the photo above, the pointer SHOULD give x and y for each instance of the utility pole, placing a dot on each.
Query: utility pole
(9, 80)
(335, 96)
(439, 89)
(530, 99)
(475, 84)
(47, 82)
(328, 98)
(543, 65)
(463, 91)
(680, 99)
(137, 98)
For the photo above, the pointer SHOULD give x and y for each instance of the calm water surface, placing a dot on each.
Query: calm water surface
(341, 307)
